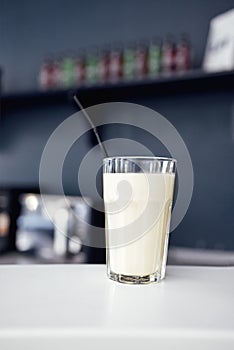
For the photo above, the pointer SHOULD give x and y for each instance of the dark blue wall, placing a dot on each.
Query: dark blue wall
(30, 30)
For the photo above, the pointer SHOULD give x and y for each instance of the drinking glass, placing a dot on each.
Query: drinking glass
(138, 193)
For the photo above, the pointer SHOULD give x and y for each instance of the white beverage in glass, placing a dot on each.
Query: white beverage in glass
(138, 193)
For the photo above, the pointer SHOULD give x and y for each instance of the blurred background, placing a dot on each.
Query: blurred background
(146, 52)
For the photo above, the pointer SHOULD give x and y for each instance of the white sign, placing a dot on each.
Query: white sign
(219, 55)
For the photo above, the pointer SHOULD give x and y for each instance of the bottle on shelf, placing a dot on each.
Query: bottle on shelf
(92, 66)
(80, 69)
(129, 62)
(56, 72)
(142, 60)
(168, 56)
(46, 75)
(154, 58)
(183, 54)
(115, 63)
(68, 67)
(104, 65)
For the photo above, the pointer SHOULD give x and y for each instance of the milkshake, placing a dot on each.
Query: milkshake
(138, 195)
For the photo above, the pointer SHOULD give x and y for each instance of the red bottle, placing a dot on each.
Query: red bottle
(115, 64)
(80, 70)
(168, 56)
(46, 75)
(183, 54)
(141, 60)
(104, 65)
(56, 73)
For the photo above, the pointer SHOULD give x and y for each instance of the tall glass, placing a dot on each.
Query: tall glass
(138, 193)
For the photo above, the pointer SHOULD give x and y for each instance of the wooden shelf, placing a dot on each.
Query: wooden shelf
(194, 81)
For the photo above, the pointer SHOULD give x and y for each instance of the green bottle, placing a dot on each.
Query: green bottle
(68, 67)
(154, 58)
(129, 62)
(92, 67)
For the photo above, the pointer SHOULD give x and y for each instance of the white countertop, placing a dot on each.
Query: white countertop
(77, 307)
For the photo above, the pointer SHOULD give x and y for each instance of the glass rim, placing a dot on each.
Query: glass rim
(153, 158)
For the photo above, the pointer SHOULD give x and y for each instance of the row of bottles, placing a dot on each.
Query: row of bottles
(117, 63)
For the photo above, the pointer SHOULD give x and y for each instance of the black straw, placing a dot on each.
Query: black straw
(93, 126)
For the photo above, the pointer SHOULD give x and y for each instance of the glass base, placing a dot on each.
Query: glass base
(154, 277)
